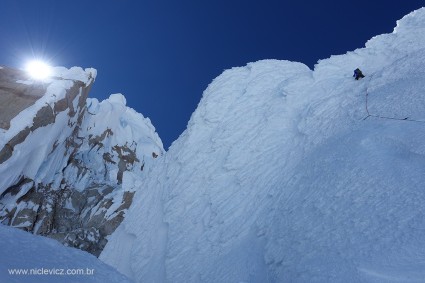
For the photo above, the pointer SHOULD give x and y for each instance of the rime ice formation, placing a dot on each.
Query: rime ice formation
(64, 158)
(285, 174)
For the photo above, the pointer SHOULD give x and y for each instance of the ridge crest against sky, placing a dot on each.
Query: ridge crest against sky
(162, 56)
(284, 175)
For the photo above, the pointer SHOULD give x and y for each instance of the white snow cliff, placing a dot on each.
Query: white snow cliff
(287, 174)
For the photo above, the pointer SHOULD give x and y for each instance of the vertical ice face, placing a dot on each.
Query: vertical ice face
(285, 174)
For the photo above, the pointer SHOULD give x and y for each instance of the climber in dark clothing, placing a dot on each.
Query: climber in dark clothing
(358, 74)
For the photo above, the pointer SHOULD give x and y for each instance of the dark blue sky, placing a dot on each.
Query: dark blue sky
(162, 54)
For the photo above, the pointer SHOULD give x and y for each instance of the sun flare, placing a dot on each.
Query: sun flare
(38, 70)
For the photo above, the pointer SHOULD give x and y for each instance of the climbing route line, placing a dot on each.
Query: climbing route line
(407, 119)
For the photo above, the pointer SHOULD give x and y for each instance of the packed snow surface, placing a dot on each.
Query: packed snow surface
(285, 174)
(46, 260)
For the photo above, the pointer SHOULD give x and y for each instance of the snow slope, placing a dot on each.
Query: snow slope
(22, 252)
(285, 174)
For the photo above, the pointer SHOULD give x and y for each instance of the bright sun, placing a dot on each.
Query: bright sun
(38, 70)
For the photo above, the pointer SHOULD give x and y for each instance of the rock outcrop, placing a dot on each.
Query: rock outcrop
(64, 158)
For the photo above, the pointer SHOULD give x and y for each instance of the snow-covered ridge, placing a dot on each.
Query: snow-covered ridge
(59, 101)
(69, 164)
(285, 174)
(55, 87)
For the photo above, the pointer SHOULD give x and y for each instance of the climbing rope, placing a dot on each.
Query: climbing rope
(407, 119)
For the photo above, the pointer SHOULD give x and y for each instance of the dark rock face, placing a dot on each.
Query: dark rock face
(82, 205)
(44, 117)
(77, 219)
(6, 152)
